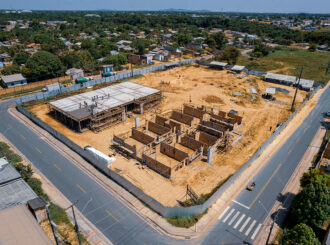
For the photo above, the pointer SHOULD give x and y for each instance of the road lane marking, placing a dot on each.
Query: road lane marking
(111, 215)
(239, 221)
(58, 168)
(241, 204)
(82, 189)
(264, 187)
(220, 216)
(245, 223)
(228, 215)
(256, 232)
(38, 150)
(9, 125)
(250, 227)
(233, 218)
(22, 136)
(289, 151)
(298, 139)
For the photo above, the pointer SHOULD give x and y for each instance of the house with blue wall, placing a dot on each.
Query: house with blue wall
(13, 80)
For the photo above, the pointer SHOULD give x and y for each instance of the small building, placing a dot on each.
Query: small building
(270, 90)
(38, 207)
(75, 73)
(19, 227)
(218, 65)
(175, 52)
(237, 68)
(194, 46)
(13, 80)
(107, 68)
(139, 59)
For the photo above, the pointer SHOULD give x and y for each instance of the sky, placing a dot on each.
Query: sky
(273, 6)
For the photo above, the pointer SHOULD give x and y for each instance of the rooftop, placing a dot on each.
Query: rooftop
(19, 227)
(7, 172)
(78, 106)
(13, 78)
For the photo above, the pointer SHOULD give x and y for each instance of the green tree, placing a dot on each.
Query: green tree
(312, 204)
(86, 61)
(21, 58)
(219, 39)
(117, 60)
(44, 64)
(301, 234)
(9, 70)
(312, 47)
(183, 39)
(230, 54)
(210, 41)
(314, 175)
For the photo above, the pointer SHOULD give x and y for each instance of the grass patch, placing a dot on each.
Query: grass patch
(185, 222)
(289, 61)
(204, 197)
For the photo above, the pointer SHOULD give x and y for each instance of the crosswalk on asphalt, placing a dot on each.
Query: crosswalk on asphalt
(241, 222)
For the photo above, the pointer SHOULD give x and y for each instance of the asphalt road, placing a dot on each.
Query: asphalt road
(240, 223)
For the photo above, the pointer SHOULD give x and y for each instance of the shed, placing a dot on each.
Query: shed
(253, 91)
(38, 208)
(75, 73)
(107, 68)
(13, 80)
(218, 65)
(237, 68)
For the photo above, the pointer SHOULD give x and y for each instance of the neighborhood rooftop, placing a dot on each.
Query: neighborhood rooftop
(12, 78)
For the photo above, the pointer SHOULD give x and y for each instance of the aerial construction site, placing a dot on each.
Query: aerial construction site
(187, 126)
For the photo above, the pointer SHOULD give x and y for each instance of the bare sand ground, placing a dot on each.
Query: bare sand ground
(201, 86)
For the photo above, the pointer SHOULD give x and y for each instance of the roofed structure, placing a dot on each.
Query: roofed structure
(289, 80)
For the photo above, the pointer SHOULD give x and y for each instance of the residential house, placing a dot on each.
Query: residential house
(13, 80)
(107, 68)
(194, 46)
(174, 52)
(75, 73)
(140, 59)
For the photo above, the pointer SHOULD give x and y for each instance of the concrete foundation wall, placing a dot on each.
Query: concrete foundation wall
(142, 137)
(180, 117)
(224, 119)
(222, 114)
(122, 142)
(194, 112)
(238, 119)
(191, 143)
(326, 153)
(173, 152)
(210, 131)
(161, 120)
(175, 126)
(229, 126)
(158, 129)
(207, 139)
(157, 166)
(215, 126)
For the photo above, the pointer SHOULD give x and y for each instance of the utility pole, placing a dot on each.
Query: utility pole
(51, 225)
(295, 94)
(76, 227)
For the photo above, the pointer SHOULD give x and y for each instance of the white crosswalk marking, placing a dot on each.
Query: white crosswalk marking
(233, 219)
(250, 228)
(239, 221)
(245, 223)
(228, 215)
(220, 216)
(256, 232)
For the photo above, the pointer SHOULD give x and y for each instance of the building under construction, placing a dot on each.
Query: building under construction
(104, 107)
(171, 142)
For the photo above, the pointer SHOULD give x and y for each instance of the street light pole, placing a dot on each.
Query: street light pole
(295, 94)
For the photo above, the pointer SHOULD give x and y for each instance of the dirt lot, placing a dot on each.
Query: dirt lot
(201, 86)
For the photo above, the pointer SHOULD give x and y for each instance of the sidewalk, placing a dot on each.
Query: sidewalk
(292, 188)
(155, 220)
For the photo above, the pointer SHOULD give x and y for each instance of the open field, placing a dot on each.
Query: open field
(288, 61)
(200, 86)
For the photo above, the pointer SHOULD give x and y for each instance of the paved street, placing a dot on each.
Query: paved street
(238, 224)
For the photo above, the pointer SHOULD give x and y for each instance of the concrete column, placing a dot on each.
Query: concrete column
(209, 156)
(137, 122)
(141, 108)
(124, 116)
